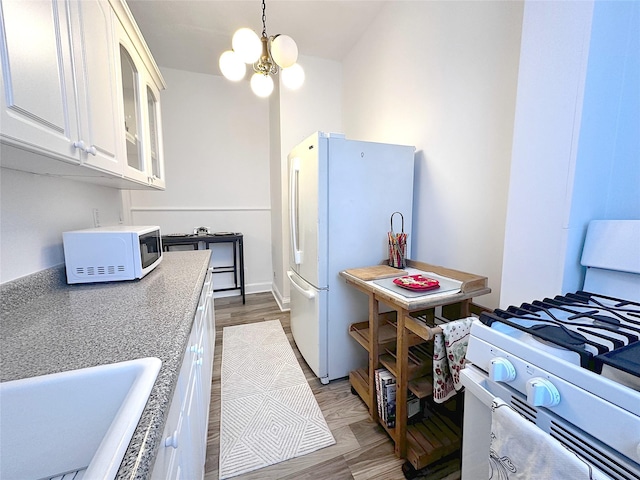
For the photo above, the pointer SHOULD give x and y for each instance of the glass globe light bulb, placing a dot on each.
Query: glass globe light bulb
(284, 51)
(262, 85)
(293, 77)
(231, 66)
(247, 45)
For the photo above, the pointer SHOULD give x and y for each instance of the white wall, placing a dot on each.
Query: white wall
(216, 148)
(316, 106)
(36, 209)
(576, 133)
(442, 76)
(279, 287)
(549, 110)
(607, 174)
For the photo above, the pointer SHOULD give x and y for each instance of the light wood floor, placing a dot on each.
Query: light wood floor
(363, 450)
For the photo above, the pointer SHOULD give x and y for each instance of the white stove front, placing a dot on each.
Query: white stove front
(487, 344)
(557, 388)
(602, 416)
(615, 452)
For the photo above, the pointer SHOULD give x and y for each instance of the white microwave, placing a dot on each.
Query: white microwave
(111, 254)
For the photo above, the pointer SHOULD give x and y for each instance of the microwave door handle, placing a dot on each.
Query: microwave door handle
(294, 178)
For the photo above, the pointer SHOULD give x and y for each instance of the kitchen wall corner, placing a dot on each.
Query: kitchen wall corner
(36, 209)
(443, 78)
(216, 144)
(293, 116)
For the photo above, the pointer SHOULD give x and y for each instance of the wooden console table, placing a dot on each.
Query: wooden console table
(387, 338)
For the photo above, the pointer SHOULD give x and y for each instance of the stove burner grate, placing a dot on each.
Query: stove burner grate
(501, 316)
(593, 326)
(561, 335)
(587, 322)
(604, 320)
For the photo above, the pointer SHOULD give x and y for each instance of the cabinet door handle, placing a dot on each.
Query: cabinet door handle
(199, 350)
(172, 441)
(80, 144)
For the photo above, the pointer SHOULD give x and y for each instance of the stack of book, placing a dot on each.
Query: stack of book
(386, 396)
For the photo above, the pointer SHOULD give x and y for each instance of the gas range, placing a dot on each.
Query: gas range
(597, 332)
(569, 363)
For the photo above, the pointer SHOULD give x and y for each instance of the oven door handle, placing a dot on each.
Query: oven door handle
(475, 382)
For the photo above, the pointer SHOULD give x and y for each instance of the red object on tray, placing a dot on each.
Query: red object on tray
(417, 283)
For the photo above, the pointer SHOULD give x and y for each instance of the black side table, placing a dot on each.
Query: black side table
(172, 240)
(238, 259)
(238, 254)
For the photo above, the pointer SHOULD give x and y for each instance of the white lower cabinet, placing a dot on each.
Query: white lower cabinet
(183, 448)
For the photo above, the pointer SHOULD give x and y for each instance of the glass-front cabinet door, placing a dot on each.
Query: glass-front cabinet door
(135, 167)
(155, 138)
(140, 116)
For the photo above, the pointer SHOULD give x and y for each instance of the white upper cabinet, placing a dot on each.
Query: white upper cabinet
(139, 94)
(132, 113)
(155, 153)
(75, 77)
(38, 102)
(97, 92)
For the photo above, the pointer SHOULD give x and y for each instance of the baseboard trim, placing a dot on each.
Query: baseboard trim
(248, 289)
(283, 302)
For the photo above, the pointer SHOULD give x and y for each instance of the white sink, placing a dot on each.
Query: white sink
(76, 421)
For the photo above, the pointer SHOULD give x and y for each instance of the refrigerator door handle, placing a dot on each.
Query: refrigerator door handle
(309, 294)
(293, 208)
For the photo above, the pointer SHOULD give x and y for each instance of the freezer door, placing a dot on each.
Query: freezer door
(309, 324)
(308, 210)
(368, 182)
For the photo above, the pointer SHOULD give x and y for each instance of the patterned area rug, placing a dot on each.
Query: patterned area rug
(268, 411)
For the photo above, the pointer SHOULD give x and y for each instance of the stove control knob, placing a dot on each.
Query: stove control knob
(501, 370)
(542, 393)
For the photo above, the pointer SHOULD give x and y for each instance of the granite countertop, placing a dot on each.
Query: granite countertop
(48, 326)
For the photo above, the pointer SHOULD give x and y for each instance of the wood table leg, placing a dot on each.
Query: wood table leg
(402, 359)
(373, 355)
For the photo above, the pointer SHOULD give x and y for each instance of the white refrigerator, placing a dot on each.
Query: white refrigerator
(342, 194)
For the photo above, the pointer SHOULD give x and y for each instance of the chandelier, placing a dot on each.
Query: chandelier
(267, 55)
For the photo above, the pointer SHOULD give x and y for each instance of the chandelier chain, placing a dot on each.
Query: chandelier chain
(264, 19)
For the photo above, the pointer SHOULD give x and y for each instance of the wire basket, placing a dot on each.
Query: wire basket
(397, 245)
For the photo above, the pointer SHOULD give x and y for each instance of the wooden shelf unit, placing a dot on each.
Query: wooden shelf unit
(395, 340)
(420, 363)
(387, 328)
(359, 380)
(432, 439)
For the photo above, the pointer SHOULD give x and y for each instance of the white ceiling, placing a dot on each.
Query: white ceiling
(192, 34)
